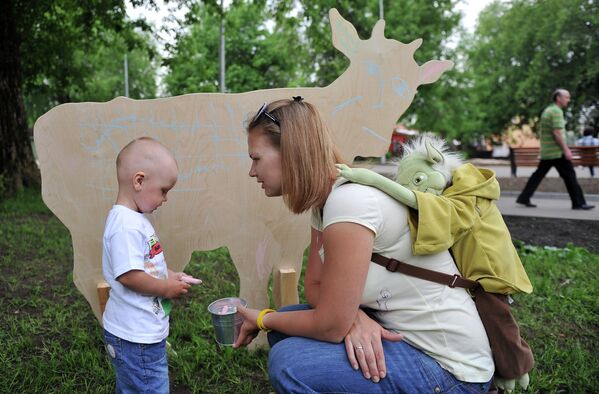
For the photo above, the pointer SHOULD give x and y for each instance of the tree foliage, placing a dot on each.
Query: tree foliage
(405, 21)
(523, 51)
(286, 43)
(97, 74)
(53, 52)
(260, 53)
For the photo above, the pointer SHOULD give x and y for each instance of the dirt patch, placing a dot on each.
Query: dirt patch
(554, 232)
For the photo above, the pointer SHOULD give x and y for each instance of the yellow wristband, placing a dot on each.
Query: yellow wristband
(259, 321)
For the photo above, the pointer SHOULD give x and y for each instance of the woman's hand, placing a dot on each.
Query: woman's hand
(249, 329)
(364, 346)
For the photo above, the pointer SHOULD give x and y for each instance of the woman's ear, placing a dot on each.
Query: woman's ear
(138, 180)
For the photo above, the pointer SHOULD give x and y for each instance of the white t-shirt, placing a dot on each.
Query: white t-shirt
(441, 321)
(130, 243)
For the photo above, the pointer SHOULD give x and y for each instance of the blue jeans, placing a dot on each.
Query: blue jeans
(139, 367)
(303, 365)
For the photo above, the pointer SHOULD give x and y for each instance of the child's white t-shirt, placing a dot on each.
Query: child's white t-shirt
(130, 243)
(441, 321)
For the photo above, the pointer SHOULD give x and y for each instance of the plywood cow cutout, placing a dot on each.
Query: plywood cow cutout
(215, 203)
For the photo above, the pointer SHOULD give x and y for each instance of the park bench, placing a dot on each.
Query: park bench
(529, 157)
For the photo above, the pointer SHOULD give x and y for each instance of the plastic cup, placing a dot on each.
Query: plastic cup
(225, 319)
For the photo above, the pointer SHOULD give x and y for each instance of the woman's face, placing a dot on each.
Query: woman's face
(266, 162)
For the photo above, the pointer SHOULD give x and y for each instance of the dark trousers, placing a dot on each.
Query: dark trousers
(566, 171)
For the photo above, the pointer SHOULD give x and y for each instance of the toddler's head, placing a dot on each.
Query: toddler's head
(146, 171)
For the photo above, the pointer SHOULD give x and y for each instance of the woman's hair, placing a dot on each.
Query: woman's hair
(308, 155)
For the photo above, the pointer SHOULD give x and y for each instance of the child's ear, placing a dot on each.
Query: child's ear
(138, 180)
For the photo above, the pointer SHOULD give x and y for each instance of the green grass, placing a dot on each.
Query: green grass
(560, 319)
(51, 342)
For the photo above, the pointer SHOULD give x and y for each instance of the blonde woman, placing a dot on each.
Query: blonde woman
(365, 330)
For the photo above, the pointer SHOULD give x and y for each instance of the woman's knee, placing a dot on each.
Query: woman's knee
(283, 366)
(286, 353)
(277, 362)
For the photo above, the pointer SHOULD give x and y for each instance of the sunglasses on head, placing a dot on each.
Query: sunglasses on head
(263, 112)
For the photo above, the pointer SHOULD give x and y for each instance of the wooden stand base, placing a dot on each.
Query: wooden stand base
(103, 291)
(288, 281)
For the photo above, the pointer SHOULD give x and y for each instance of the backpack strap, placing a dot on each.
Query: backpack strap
(423, 273)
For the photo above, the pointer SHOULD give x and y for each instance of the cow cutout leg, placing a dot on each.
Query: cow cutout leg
(103, 294)
(288, 286)
(253, 280)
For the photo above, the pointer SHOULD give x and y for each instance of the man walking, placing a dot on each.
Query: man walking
(555, 153)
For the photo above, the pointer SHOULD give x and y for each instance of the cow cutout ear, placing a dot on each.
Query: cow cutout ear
(432, 70)
(433, 155)
(345, 37)
(378, 31)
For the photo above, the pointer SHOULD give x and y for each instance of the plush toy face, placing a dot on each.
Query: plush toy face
(416, 173)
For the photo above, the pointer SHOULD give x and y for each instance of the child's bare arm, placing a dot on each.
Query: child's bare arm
(141, 282)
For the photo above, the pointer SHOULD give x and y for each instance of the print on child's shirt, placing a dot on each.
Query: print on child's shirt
(155, 249)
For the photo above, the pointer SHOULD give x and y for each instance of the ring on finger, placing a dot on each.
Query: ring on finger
(359, 348)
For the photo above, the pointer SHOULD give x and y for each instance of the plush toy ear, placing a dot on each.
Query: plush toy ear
(433, 155)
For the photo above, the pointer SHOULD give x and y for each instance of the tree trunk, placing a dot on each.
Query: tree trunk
(17, 164)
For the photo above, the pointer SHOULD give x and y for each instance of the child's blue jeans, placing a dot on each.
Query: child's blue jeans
(139, 367)
(303, 365)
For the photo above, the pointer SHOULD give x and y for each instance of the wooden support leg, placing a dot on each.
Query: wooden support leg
(103, 290)
(288, 281)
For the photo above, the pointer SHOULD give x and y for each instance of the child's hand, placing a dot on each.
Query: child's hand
(175, 288)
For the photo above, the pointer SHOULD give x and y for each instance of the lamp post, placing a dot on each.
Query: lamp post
(381, 16)
(221, 49)
(126, 71)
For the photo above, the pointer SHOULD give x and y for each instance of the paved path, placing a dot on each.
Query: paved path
(549, 205)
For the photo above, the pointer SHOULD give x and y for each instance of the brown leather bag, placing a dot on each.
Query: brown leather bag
(512, 355)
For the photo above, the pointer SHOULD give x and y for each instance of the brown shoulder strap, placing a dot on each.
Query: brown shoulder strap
(423, 273)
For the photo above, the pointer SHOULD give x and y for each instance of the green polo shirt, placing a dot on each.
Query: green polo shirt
(551, 119)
